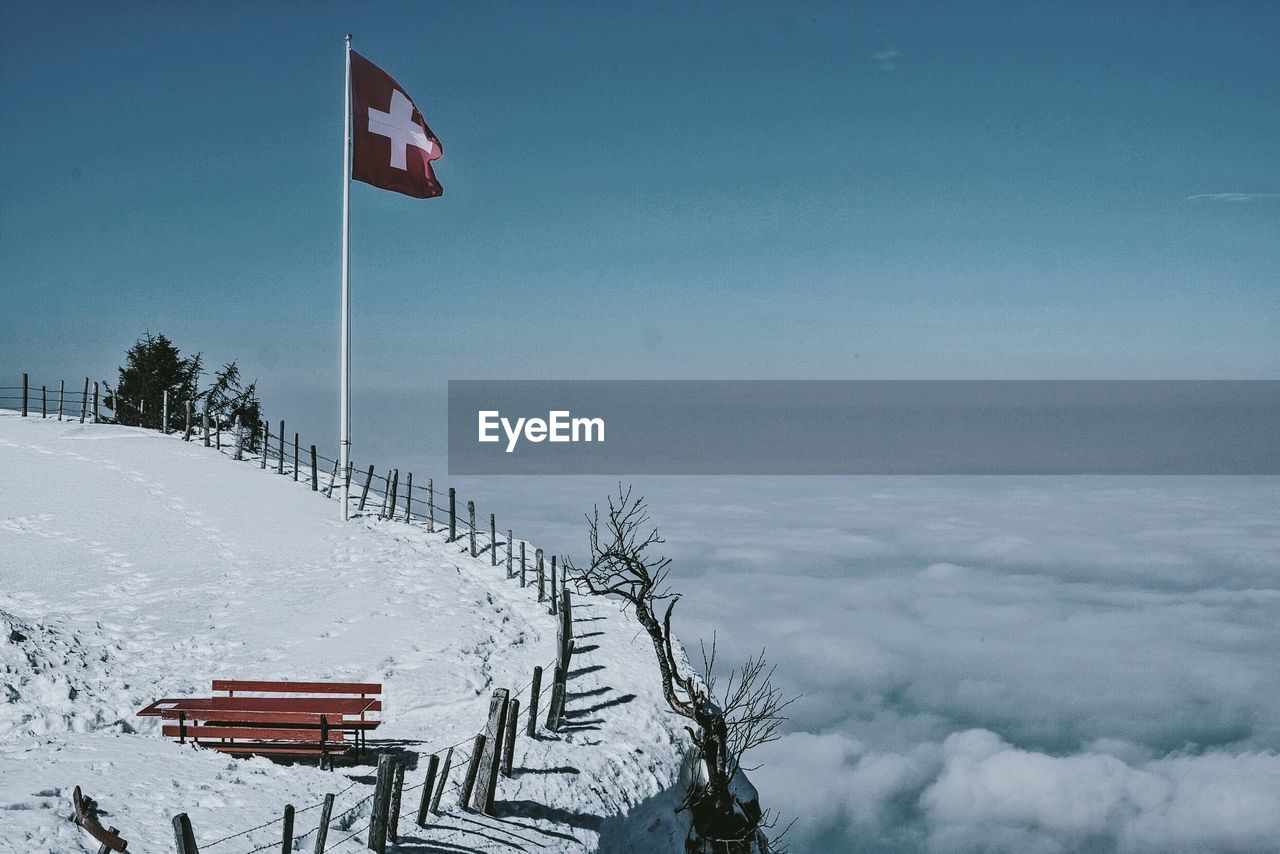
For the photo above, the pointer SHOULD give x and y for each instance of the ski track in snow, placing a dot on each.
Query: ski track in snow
(136, 566)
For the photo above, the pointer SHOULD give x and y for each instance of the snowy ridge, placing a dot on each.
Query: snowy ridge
(137, 566)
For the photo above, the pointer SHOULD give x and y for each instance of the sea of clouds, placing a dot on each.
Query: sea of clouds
(1030, 665)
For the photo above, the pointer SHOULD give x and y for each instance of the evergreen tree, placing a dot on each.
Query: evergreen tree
(153, 366)
(227, 400)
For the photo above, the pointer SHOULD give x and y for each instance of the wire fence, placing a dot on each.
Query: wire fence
(372, 490)
(371, 493)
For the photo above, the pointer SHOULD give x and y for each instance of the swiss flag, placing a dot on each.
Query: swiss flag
(391, 145)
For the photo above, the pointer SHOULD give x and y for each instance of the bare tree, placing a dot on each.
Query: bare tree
(724, 806)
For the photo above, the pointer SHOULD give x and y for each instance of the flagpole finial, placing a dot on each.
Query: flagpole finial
(348, 39)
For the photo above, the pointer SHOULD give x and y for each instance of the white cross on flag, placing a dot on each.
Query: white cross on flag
(391, 145)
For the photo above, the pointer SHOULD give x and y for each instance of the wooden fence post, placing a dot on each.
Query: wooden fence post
(534, 690)
(62, 397)
(295, 457)
(395, 489)
(164, 414)
(95, 404)
(333, 479)
(186, 430)
(280, 463)
(542, 585)
(315, 473)
(206, 416)
(397, 789)
(554, 598)
(509, 740)
(381, 804)
(522, 563)
(84, 401)
(431, 505)
(239, 439)
(469, 781)
(368, 479)
(266, 443)
(444, 778)
(217, 433)
(453, 514)
(408, 498)
(44, 402)
(557, 697)
(386, 493)
(508, 552)
(495, 729)
(322, 832)
(493, 541)
(182, 835)
(24, 395)
(428, 786)
(471, 515)
(286, 842)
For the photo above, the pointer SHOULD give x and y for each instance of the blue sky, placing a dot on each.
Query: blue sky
(738, 191)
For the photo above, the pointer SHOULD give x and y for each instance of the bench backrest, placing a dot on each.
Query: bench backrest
(361, 689)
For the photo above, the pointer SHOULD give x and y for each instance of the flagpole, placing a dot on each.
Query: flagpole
(344, 394)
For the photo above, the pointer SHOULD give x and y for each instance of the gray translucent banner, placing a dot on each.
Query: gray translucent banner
(791, 427)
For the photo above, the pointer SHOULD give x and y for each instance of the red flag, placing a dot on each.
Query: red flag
(391, 145)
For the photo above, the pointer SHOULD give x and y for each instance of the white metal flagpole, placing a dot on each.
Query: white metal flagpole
(344, 393)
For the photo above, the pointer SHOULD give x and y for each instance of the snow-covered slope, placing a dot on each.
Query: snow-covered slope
(135, 566)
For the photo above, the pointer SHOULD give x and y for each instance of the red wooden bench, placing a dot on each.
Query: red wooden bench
(272, 719)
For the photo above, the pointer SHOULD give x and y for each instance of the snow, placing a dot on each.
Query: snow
(136, 566)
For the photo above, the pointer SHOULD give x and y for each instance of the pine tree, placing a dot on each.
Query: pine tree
(153, 366)
(227, 400)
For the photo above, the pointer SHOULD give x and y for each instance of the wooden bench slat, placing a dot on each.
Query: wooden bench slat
(297, 687)
(298, 749)
(320, 705)
(270, 733)
(248, 716)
